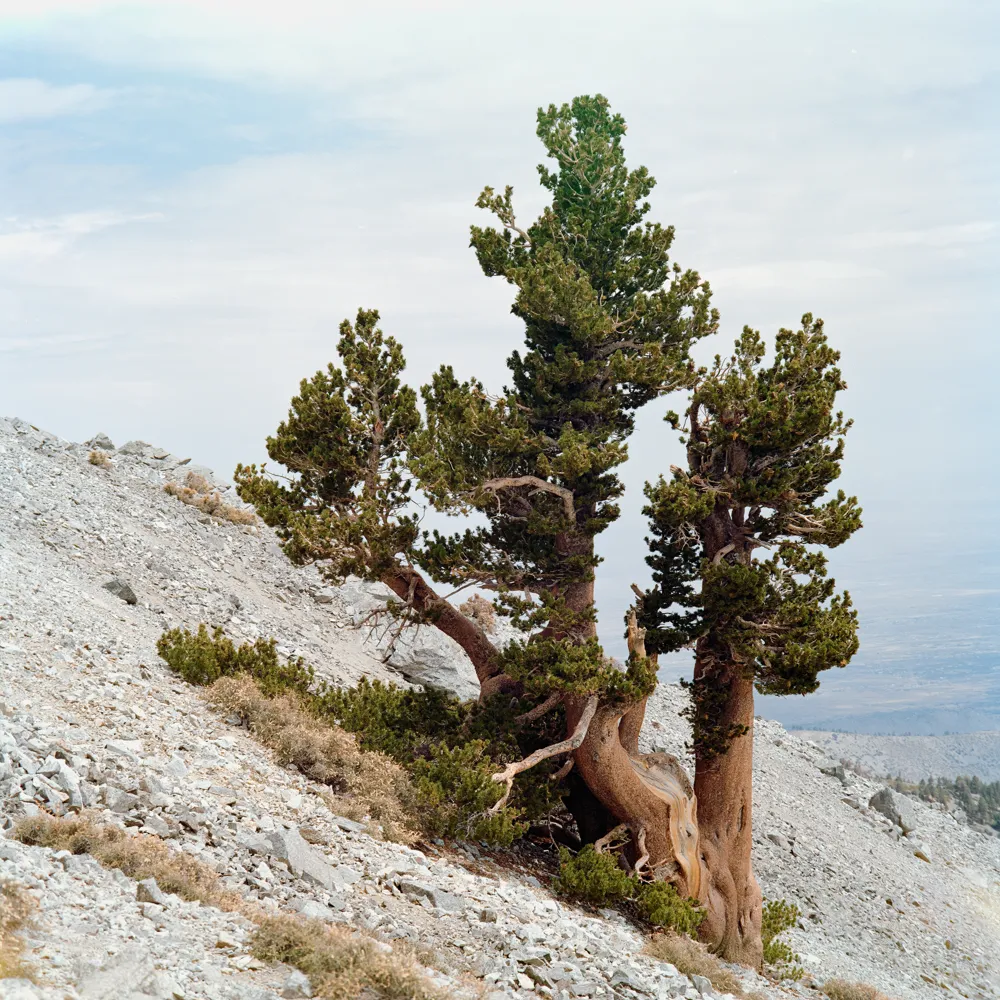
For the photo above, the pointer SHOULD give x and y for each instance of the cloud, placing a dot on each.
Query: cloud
(23, 99)
(942, 237)
(40, 238)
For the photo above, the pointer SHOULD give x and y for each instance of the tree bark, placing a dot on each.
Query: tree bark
(409, 585)
(724, 789)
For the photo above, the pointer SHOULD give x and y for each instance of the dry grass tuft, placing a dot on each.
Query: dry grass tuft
(17, 908)
(198, 493)
(364, 785)
(340, 965)
(99, 458)
(139, 857)
(481, 610)
(694, 959)
(842, 989)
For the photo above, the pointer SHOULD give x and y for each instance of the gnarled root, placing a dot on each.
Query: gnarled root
(646, 792)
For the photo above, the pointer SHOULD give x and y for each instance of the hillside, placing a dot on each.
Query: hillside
(90, 715)
(916, 757)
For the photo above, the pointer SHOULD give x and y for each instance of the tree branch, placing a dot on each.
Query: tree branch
(539, 710)
(511, 771)
(541, 485)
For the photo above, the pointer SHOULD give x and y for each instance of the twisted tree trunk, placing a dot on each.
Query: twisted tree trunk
(723, 786)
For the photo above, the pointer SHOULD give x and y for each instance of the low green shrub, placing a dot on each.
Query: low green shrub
(401, 723)
(593, 877)
(203, 658)
(597, 878)
(779, 916)
(663, 906)
(449, 748)
(455, 792)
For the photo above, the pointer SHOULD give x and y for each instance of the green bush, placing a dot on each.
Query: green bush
(592, 877)
(598, 879)
(455, 791)
(392, 720)
(778, 917)
(202, 659)
(663, 906)
(441, 742)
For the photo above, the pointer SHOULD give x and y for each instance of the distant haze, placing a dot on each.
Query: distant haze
(195, 193)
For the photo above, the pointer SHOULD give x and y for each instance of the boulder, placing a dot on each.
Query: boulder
(135, 448)
(895, 807)
(147, 891)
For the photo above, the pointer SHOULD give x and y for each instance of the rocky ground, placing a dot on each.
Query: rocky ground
(90, 717)
(916, 757)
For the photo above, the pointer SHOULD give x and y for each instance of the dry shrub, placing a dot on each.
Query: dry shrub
(842, 989)
(198, 493)
(693, 959)
(363, 783)
(17, 908)
(481, 610)
(139, 857)
(99, 458)
(340, 965)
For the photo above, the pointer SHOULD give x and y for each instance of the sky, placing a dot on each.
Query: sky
(193, 195)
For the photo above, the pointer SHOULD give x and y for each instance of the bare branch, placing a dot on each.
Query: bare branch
(643, 858)
(636, 637)
(563, 771)
(600, 846)
(540, 485)
(722, 553)
(573, 742)
(539, 710)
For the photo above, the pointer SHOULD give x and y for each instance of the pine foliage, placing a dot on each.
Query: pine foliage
(764, 443)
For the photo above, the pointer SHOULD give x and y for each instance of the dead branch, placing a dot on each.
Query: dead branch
(540, 485)
(539, 710)
(722, 553)
(563, 771)
(511, 771)
(600, 846)
(640, 842)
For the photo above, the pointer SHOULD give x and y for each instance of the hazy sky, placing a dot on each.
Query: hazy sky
(194, 194)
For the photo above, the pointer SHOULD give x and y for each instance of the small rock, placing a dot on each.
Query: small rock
(296, 985)
(147, 891)
(121, 589)
(701, 984)
(350, 825)
(438, 898)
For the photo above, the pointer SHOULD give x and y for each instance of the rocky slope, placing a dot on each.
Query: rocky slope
(89, 716)
(916, 757)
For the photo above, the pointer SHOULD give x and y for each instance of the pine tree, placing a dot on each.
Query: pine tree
(609, 320)
(763, 445)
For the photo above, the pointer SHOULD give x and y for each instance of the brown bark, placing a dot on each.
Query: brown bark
(724, 789)
(648, 792)
(409, 585)
(631, 726)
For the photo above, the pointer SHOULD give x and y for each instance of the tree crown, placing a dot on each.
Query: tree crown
(764, 443)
